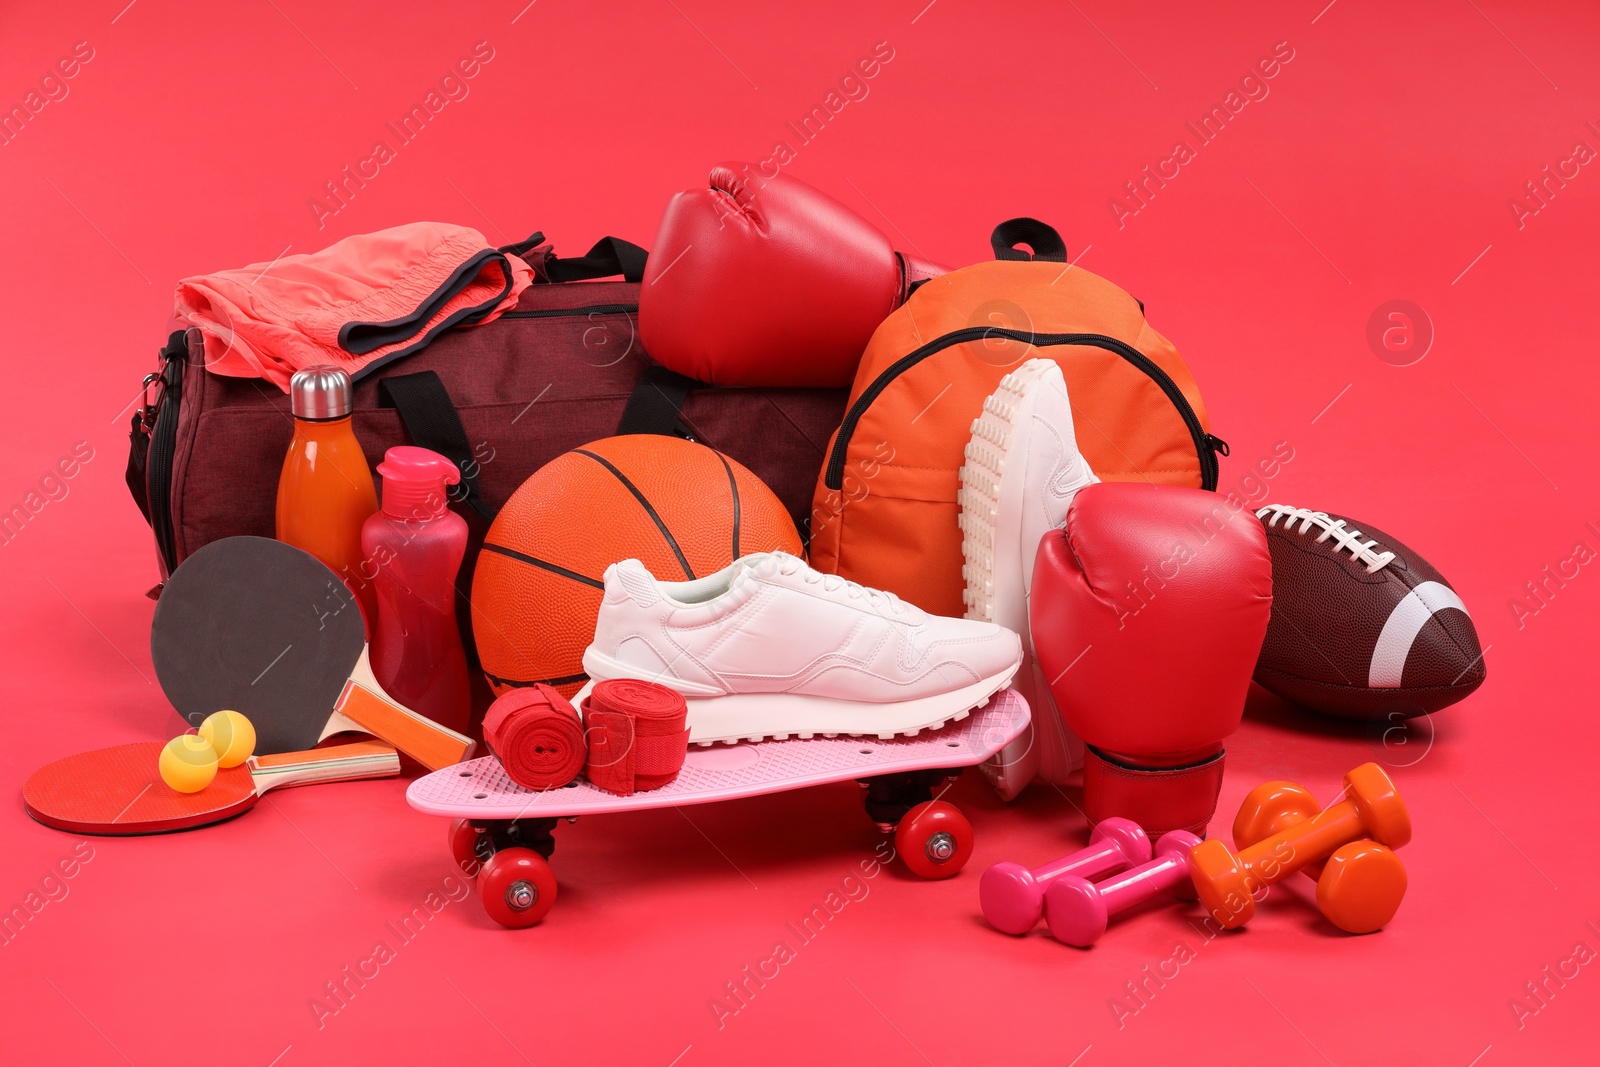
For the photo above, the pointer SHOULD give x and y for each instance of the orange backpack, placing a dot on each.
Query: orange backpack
(885, 513)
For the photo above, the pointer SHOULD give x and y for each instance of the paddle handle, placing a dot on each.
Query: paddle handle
(336, 763)
(371, 710)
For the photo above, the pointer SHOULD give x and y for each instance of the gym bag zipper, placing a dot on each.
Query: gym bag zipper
(589, 309)
(1206, 446)
(164, 430)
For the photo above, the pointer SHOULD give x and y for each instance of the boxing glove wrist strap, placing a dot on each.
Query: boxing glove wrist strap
(1157, 798)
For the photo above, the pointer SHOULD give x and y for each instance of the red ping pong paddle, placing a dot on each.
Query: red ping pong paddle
(260, 627)
(118, 791)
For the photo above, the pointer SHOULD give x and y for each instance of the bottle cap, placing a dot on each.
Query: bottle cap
(320, 393)
(414, 481)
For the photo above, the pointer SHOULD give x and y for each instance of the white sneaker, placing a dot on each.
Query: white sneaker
(768, 647)
(1021, 472)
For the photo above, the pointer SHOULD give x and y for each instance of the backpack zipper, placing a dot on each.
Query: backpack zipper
(1206, 446)
(590, 309)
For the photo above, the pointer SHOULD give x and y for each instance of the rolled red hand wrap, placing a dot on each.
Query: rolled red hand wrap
(637, 734)
(537, 735)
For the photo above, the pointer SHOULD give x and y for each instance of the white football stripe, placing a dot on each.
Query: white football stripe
(1401, 629)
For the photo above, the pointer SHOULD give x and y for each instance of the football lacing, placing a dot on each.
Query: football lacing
(1364, 552)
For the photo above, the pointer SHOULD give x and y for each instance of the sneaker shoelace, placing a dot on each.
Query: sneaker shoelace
(1350, 540)
(833, 583)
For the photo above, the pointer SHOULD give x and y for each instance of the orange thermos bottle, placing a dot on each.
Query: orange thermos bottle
(326, 491)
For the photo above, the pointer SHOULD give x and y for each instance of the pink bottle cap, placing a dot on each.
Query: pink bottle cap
(414, 481)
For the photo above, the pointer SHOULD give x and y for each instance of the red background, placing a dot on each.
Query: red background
(1379, 167)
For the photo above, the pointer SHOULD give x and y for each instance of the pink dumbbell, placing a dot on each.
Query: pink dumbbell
(1077, 910)
(1012, 896)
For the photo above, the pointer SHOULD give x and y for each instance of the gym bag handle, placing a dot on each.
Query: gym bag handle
(1039, 236)
(608, 257)
(656, 405)
(432, 422)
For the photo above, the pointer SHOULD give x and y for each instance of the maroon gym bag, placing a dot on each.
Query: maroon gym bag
(501, 400)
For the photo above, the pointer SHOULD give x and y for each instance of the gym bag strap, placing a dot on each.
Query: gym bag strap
(607, 258)
(431, 421)
(656, 405)
(1039, 236)
(151, 440)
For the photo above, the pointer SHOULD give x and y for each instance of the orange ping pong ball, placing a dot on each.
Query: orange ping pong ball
(188, 763)
(231, 734)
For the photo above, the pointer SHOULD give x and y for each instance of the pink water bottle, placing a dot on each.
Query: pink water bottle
(416, 544)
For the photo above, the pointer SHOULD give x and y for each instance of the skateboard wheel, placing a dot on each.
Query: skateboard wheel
(517, 887)
(935, 839)
(469, 846)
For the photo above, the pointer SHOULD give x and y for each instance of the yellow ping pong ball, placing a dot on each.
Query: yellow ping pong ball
(231, 734)
(188, 763)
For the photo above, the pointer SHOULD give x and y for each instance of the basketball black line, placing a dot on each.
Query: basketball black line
(570, 679)
(666, 534)
(733, 488)
(551, 567)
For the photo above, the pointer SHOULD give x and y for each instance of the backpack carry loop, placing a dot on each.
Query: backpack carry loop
(1039, 236)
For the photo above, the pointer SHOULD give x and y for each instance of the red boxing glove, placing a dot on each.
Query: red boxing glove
(765, 281)
(1148, 612)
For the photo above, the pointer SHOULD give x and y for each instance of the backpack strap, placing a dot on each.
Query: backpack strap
(1041, 237)
(431, 421)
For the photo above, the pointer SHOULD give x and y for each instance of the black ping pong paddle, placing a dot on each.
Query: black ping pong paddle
(260, 627)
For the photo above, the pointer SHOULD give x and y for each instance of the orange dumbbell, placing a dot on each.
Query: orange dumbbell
(1226, 880)
(1361, 885)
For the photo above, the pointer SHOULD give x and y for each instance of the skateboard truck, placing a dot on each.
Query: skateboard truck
(889, 796)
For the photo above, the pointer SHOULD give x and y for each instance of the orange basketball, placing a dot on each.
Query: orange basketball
(681, 508)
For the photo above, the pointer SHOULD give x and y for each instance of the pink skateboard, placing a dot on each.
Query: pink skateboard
(502, 833)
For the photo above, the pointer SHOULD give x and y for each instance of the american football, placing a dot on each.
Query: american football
(1362, 627)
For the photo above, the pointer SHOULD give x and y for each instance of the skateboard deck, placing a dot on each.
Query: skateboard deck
(479, 789)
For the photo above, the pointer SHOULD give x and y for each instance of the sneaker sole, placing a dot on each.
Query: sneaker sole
(991, 516)
(987, 514)
(780, 716)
